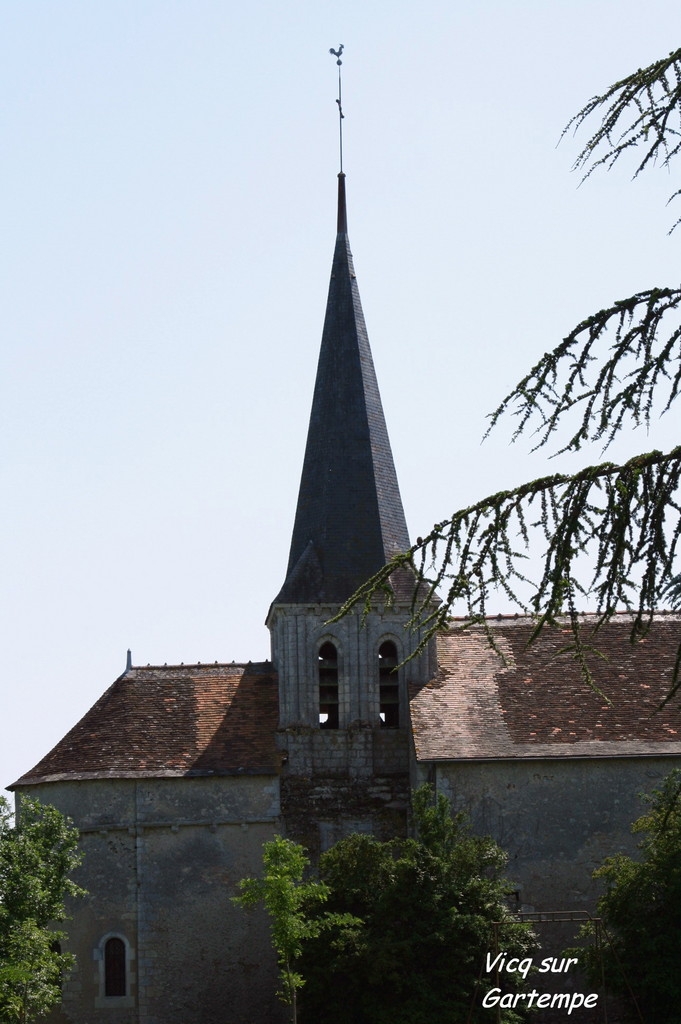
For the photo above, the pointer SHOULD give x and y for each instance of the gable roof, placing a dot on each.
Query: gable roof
(202, 720)
(170, 721)
(537, 705)
(349, 517)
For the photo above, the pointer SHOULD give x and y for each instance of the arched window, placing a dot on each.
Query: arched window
(388, 685)
(114, 968)
(328, 686)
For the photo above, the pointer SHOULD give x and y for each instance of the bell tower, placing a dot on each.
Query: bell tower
(343, 687)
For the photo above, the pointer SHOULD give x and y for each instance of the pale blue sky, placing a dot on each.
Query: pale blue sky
(167, 192)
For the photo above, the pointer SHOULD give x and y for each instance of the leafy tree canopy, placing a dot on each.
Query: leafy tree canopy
(37, 856)
(289, 901)
(423, 912)
(609, 533)
(641, 912)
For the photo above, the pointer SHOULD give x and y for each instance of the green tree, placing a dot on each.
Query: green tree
(424, 912)
(641, 912)
(289, 901)
(608, 532)
(37, 856)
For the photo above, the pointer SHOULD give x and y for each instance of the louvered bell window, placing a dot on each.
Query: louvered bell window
(328, 686)
(388, 683)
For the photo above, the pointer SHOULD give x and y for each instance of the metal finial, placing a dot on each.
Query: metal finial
(337, 53)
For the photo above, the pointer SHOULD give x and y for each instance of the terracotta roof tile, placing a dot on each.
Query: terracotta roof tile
(537, 705)
(172, 721)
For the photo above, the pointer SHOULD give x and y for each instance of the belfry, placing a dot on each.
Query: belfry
(343, 692)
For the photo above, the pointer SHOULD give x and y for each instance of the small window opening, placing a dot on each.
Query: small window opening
(114, 968)
(388, 683)
(328, 686)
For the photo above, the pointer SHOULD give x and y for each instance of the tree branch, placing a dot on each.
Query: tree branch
(643, 109)
(609, 532)
(641, 360)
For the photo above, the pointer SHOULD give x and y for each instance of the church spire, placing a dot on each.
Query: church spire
(349, 519)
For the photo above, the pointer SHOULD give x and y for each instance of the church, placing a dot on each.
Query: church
(179, 773)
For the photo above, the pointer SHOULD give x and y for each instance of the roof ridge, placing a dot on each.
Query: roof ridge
(666, 613)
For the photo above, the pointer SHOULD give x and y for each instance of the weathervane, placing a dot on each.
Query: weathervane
(337, 53)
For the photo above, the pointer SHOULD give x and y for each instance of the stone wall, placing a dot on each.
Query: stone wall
(335, 782)
(556, 818)
(162, 859)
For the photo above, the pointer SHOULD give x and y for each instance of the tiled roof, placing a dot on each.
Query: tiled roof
(222, 719)
(537, 705)
(172, 721)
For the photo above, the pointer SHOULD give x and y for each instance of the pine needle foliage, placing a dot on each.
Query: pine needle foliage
(639, 371)
(608, 533)
(642, 112)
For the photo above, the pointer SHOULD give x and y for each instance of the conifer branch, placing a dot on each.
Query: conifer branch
(609, 533)
(643, 362)
(641, 110)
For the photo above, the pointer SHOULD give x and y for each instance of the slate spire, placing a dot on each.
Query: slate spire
(349, 519)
